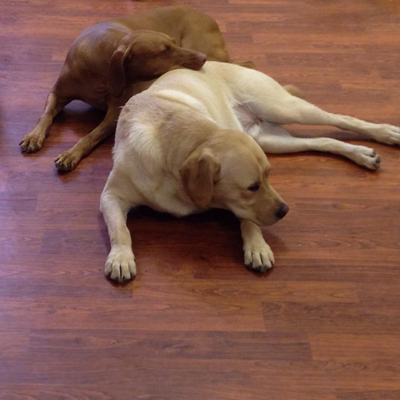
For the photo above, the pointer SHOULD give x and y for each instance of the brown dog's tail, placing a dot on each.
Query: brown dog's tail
(294, 91)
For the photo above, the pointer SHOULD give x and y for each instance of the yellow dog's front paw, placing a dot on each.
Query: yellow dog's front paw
(120, 265)
(259, 258)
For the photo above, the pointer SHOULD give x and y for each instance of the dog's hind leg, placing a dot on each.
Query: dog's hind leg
(246, 64)
(266, 98)
(276, 140)
(295, 110)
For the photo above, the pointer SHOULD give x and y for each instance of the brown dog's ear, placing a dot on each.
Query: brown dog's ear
(198, 174)
(116, 71)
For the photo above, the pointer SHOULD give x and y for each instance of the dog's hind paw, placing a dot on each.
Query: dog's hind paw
(120, 265)
(366, 157)
(387, 134)
(259, 258)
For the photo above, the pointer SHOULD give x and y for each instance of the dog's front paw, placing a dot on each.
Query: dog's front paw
(68, 160)
(259, 257)
(387, 134)
(120, 265)
(32, 142)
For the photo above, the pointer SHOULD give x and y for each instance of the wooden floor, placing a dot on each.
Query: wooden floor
(195, 324)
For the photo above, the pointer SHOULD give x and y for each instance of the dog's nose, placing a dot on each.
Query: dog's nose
(282, 211)
(200, 59)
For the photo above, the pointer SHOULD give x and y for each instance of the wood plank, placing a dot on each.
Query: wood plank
(331, 318)
(355, 347)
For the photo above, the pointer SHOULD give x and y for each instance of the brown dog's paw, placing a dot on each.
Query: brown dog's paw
(67, 161)
(32, 142)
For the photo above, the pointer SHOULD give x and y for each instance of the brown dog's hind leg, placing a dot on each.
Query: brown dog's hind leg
(33, 141)
(68, 160)
(210, 42)
(246, 64)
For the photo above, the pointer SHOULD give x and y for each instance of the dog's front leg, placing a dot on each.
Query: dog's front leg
(257, 254)
(34, 140)
(120, 265)
(68, 160)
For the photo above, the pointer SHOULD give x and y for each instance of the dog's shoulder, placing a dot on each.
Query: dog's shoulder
(136, 136)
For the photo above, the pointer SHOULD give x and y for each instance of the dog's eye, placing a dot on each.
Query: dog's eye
(254, 188)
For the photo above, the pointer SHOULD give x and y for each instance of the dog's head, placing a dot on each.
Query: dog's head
(145, 55)
(231, 172)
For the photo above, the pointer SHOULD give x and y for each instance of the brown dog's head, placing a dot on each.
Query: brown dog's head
(145, 55)
(231, 172)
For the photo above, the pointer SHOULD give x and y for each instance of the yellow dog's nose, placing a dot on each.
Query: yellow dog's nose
(282, 211)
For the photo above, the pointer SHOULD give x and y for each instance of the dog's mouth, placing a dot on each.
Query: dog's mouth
(277, 216)
(195, 65)
(195, 62)
(265, 223)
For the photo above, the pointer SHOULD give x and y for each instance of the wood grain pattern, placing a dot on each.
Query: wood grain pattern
(323, 325)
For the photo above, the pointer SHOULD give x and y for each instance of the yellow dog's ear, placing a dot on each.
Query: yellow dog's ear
(116, 70)
(198, 174)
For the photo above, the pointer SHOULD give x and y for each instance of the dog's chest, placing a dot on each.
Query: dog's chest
(97, 98)
(168, 196)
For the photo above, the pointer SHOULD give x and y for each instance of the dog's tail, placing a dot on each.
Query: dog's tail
(294, 91)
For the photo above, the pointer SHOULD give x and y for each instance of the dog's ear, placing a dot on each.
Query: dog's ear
(116, 70)
(198, 174)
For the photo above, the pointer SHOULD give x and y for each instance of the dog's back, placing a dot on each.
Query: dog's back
(204, 94)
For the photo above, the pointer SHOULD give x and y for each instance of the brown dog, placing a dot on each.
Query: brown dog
(113, 60)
